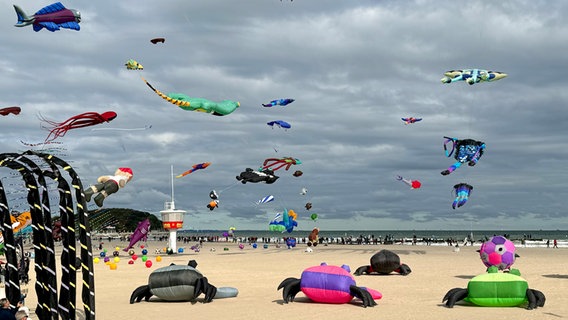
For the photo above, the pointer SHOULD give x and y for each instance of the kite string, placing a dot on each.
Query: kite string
(229, 187)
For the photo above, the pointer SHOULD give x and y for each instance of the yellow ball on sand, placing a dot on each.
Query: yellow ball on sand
(116, 259)
(96, 260)
(159, 258)
(116, 248)
(113, 266)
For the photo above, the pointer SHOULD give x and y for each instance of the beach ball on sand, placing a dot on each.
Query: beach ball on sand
(96, 260)
(130, 252)
(149, 264)
(116, 259)
(241, 246)
(498, 252)
(159, 258)
(113, 266)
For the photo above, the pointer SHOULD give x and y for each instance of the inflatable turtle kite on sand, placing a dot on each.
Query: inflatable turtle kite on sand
(328, 284)
(384, 262)
(180, 283)
(497, 289)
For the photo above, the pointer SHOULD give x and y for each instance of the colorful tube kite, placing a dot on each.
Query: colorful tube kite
(185, 102)
(462, 192)
(194, 168)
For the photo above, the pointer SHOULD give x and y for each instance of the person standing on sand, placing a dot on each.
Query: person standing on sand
(555, 244)
(548, 243)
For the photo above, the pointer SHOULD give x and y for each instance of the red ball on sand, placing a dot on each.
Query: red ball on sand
(149, 264)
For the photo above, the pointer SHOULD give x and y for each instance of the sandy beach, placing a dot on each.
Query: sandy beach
(256, 273)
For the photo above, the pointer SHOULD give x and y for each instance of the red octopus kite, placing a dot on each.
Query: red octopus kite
(284, 162)
(59, 129)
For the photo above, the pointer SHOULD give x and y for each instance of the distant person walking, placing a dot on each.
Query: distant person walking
(548, 243)
(555, 244)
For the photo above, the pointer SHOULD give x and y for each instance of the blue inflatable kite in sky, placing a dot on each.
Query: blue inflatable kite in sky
(287, 223)
(279, 102)
(280, 123)
(466, 150)
(462, 192)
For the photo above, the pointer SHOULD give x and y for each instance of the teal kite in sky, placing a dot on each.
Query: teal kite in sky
(222, 108)
(472, 76)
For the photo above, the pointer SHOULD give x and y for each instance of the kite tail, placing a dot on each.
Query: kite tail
(23, 19)
(455, 203)
(452, 168)
(177, 102)
(462, 201)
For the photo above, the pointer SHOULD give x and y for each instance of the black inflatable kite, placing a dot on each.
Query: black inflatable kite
(250, 175)
(384, 262)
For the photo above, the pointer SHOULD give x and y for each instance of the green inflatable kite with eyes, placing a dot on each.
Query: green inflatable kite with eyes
(497, 289)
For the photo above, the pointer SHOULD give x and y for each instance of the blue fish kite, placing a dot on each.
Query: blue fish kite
(279, 102)
(53, 17)
(280, 123)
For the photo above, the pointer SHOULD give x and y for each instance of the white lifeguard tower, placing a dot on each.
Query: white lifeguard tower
(172, 218)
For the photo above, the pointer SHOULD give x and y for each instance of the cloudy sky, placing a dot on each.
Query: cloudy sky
(355, 69)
